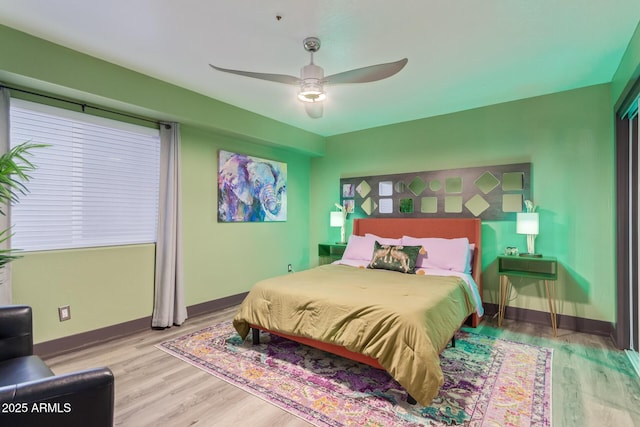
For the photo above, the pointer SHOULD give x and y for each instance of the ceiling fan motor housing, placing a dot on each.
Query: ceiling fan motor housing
(311, 83)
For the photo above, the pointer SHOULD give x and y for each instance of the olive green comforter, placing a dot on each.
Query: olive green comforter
(402, 320)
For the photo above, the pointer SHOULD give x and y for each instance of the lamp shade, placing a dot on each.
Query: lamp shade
(336, 219)
(527, 223)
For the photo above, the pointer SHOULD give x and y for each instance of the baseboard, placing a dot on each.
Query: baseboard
(215, 305)
(578, 324)
(86, 339)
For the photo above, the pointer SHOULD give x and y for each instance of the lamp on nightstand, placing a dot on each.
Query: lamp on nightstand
(528, 223)
(337, 219)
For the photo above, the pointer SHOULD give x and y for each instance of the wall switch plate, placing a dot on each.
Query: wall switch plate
(64, 313)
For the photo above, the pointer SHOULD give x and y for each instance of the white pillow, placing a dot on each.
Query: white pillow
(352, 262)
(444, 254)
(359, 248)
(384, 240)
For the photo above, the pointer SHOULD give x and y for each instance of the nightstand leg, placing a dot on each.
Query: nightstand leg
(504, 290)
(551, 295)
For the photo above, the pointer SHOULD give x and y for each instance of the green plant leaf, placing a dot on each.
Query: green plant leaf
(14, 173)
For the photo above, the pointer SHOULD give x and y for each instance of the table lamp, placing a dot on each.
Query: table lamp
(528, 223)
(337, 219)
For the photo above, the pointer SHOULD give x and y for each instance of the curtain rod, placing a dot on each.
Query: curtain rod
(85, 105)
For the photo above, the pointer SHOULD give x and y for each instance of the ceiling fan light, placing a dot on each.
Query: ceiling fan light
(311, 91)
(312, 96)
(313, 109)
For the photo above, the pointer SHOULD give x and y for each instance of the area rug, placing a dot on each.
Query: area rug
(488, 381)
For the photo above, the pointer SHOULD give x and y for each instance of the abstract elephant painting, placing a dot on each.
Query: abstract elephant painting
(251, 189)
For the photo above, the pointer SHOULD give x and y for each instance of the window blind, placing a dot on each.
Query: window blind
(96, 184)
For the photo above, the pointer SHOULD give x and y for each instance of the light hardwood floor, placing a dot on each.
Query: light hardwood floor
(593, 383)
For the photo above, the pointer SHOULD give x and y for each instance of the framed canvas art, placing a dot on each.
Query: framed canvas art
(251, 189)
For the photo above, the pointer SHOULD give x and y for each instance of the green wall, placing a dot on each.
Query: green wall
(568, 139)
(567, 136)
(108, 286)
(223, 259)
(103, 286)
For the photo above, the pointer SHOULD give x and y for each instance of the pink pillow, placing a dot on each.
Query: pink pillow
(443, 254)
(359, 248)
(384, 240)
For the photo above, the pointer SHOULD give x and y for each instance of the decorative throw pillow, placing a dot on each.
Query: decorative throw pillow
(395, 257)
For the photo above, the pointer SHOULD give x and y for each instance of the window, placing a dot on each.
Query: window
(96, 184)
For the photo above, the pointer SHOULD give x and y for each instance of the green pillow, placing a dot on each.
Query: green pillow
(395, 257)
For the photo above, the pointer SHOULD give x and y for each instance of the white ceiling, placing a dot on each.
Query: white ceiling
(462, 53)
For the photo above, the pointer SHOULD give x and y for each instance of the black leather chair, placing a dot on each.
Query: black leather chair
(32, 395)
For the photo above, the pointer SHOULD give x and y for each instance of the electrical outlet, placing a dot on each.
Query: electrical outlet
(289, 268)
(64, 313)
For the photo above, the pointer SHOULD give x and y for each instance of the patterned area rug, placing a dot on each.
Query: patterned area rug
(488, 381)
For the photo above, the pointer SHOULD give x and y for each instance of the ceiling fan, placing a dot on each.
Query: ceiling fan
(312, 79)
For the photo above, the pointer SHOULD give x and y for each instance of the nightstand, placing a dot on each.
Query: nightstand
(543, 269)
(329, 252)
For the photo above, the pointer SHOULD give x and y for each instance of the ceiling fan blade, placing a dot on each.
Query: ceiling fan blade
(313, 109)
(279, 78)
(367, 74)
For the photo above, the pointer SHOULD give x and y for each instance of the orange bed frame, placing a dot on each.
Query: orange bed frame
(397, 227)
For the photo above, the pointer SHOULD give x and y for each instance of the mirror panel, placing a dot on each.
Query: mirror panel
(453, 185)
(512, 181)
(453, 204)
(429, 205)
(386, 206)
(406, 205)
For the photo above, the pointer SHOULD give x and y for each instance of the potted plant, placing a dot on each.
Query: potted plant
(14, 169)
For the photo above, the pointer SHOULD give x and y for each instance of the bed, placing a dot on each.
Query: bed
(387, 319)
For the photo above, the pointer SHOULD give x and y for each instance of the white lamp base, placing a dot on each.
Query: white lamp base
(342, 239)
(531, 239)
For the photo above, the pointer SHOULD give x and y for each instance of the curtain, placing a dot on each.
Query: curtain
(169, 307)
(5, 220)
